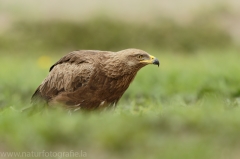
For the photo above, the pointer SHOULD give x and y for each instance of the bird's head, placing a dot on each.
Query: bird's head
(137, 58)
(127, 61)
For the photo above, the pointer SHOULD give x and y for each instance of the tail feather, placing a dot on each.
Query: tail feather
(37, 102)
(36, 96)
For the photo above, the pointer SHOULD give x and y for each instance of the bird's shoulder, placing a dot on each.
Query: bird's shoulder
(72, 71)
(81, 56)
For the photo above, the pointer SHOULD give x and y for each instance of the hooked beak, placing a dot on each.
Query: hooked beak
(153, 60)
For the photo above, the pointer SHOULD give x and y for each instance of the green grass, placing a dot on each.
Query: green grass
(187, 108)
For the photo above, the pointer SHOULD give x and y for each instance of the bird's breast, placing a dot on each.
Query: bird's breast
(111, 89)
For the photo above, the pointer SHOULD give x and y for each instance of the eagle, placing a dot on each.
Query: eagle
(91, 79)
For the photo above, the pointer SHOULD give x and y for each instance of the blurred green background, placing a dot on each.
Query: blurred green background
(188, 108)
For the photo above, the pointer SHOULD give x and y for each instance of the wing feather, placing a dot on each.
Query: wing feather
(76, 57)
(66, 75)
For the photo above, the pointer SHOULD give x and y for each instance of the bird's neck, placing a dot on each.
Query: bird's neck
(115, 68)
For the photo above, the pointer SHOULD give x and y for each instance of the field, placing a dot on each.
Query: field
(186, 108)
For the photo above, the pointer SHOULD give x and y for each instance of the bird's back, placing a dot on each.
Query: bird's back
(66, 75)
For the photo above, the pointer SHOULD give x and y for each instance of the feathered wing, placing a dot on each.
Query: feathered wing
(68, 74)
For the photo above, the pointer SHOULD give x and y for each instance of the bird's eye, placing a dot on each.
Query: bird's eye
(140, 56)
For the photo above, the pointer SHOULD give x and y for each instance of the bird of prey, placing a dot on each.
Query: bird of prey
(91, 79)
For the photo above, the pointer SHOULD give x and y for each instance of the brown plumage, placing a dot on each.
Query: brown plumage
(90, 79)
